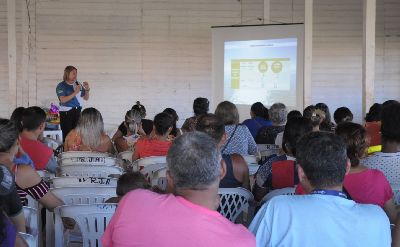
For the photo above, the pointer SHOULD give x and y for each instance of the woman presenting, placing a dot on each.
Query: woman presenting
(70, 93)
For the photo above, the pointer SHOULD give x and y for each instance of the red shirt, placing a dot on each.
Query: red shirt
(367, 187)
(39, 153)
(146, 147)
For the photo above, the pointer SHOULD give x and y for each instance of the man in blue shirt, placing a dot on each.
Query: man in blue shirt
(326, 216)
(70, 93)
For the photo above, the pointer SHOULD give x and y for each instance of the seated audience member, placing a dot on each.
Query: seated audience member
(237, 170)
(280, 171)
(239, 139)
(158, 144)
(279, 136)
(16, 117)
(315, 115)
(26, 178)
(89, 134)
(326, 124)
(388, 160)
(146, 124)
(21, 157)
(185, 217)
(326, 216)
(33, 125)
(128, 182)
(175, 131)
(9, 236)
(278, 117)
(373, 126)
(342, 114)
(257, 112)
(133, 124)
(9, 198)
(364, 185)
(200, 107)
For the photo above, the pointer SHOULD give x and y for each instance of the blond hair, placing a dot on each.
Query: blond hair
(90, 128)
(68, 70)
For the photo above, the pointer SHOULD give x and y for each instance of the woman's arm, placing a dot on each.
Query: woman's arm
(65, 99)
(241, 170)
(390, 209)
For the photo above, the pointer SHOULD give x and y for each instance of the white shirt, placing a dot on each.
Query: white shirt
(320, 220)
(388, 163)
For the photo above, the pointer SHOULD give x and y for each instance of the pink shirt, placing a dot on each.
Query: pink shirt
(369, 186)
(144, 218)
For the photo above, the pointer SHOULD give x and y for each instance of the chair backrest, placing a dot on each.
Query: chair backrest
(233, 201)
(84, 195)
(102, 161)
(278, 192)
(60, 182)
(31, 220)
(127, 155)
(91, 219)
(89, 171)
(251, 161)
(150, 160)
(82, 154)
(268, 149)
(30, 240)
(153, 172)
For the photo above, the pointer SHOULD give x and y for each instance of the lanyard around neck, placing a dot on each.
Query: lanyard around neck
(329, 192)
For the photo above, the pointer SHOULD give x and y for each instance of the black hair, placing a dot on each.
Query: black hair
(342, 114)
(33, 117)
(327, 122)
(175, 117)
(355, 137)
(162, 122)
(8, 135)
(295, 128)
(16, 117)
(311, 113)
(322, 155)
(139, 107)
(258, 109)
(200, 106)
(390, 119)
(389, 102)
(374, 113)
(131, 181)
(212, 125)
(293, 114)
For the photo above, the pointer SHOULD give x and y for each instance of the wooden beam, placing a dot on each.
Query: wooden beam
(267, 11)
(308, 40)
(23, 98)
(368, 62)
(12, 55)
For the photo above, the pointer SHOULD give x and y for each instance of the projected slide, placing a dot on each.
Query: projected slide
(260, 70)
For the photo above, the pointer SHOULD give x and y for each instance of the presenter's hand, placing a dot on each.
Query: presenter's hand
(86, 85)
(77, 89)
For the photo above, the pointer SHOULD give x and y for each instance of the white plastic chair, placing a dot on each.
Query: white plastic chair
(89, 171)
(103, 161)
(251, 161)
(82, 154)
(91, 219)
(150, 160)
(153, 172)
(127, 155)
(72, 196)
(31, 220)
(84, 194)
(233, 201)
(54, 134)
(278, 192)
(52, 143)
(60, 182)
(268, 149)
(30, 240)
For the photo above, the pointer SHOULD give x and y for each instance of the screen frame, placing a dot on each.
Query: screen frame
(221, 34)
